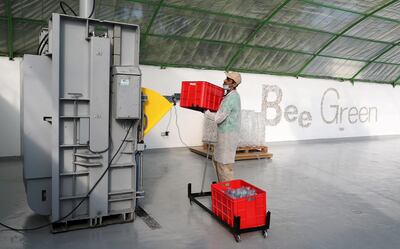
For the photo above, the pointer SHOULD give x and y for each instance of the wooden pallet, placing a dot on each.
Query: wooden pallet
(245, 149)
(250, 149)
(242, 153)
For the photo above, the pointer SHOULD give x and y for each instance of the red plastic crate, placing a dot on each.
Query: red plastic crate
(252, 210)
(201, 95)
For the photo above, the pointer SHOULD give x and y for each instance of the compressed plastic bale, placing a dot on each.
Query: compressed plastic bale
(252, 131)
(252, 139)
(209, 131)
(261, 129)
(245, 128)
(242, 135)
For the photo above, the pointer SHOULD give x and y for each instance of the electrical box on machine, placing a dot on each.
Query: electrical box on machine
(126, 86)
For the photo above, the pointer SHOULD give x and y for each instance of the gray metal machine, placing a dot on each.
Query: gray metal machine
(82, 111)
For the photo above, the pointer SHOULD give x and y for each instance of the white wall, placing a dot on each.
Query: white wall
(9, 107)
(305, 94)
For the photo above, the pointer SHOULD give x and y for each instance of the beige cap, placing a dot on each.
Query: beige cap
(235, 76)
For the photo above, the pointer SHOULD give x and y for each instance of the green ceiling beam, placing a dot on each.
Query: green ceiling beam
(183, 38)
(243, 70)
(28, 20)
(292, 26)
(10, 31)
(16, 54)
(24, 20)
(193, 39)
(386, 49)
(153, 18)
(396, 81)
(341, 79)
(329, 6)
(305, 76)
(164, 65)
(188, 8)
(351, 59)
(254, 33)
(42, 22)
(342, 33)
(209, 12)
(195, 9)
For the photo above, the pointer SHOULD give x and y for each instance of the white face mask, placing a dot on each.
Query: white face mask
(225, 87)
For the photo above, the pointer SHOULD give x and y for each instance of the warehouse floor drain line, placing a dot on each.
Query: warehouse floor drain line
(150, 221)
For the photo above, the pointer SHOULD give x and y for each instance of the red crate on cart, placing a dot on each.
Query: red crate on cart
(252, 210)
(201, 95)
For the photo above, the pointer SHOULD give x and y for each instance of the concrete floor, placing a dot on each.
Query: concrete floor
(337, 194)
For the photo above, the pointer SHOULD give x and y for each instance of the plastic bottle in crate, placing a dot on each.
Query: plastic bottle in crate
(240, 192)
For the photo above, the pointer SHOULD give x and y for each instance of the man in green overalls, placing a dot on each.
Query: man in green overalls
(228, 121)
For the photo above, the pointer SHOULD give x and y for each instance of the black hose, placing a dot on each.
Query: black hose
(94, 6)
(41, 43)
(62, 4)
(44, 45)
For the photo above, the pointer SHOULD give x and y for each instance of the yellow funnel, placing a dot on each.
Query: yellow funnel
(155, 108)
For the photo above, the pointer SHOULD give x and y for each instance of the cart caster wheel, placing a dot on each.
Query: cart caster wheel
(237, 238)
(265, 234)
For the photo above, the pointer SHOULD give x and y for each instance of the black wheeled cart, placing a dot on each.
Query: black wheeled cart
(235, 230)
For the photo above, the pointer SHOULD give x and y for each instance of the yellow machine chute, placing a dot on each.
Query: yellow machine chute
(155, 108)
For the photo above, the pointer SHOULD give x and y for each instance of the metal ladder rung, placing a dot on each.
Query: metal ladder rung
(71, 197)
(73, 117)
(122, 211)
(77, 173)
(121, 199)
(72, 145)
(120, 192)
(88, 155)
(127, 152)
(72, 99)
(122, 165)
(87, 164)
(78, 217)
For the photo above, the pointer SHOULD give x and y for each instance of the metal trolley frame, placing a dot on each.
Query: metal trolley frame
(235, 230)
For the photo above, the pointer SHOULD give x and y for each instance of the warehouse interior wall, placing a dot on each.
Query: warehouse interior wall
(9, 107)
(296, 109)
